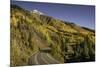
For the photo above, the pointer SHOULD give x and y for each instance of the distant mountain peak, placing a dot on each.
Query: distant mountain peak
(37, 12)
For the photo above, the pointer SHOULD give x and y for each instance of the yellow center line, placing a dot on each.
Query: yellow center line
(36, 61)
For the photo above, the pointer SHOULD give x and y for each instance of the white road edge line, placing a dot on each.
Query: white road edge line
(52, 58)
(44, 59)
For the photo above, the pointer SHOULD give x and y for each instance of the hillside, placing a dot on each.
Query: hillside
(33, 32)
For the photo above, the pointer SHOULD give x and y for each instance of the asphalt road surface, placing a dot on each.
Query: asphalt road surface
(42, 58)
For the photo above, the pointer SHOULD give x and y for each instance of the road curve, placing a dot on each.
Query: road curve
(41, 58)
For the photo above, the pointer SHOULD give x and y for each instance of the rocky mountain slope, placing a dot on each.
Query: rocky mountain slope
(33, 32)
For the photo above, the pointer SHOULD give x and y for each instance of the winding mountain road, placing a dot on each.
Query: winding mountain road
(41, 58)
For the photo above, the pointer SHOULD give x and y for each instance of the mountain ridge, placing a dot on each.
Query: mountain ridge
(41, 13)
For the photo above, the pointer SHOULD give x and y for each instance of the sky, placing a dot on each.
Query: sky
(82, 15)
